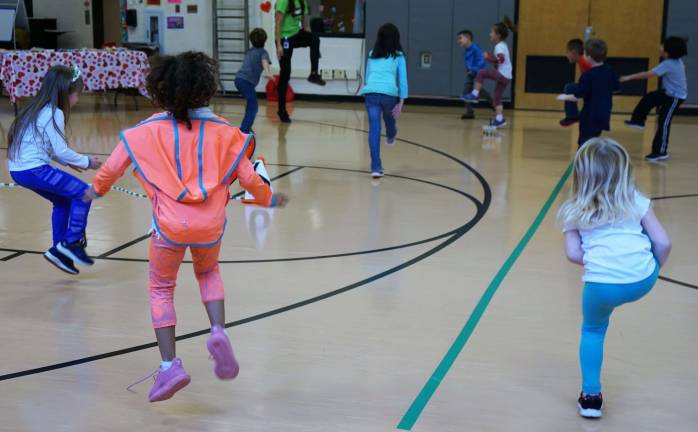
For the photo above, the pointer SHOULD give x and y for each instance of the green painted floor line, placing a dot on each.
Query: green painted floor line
(422, 399)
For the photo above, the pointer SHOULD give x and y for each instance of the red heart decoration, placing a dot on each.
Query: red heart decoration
(265, 6)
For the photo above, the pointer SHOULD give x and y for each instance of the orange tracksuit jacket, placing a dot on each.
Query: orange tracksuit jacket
(186, 173)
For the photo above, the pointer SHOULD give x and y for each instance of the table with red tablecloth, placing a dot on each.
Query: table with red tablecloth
(21, 71)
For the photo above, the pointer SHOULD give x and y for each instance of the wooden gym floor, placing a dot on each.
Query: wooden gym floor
(344, 303)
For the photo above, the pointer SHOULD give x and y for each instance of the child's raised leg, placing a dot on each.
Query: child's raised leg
(207, 272)
(643, 108)
(388, 103)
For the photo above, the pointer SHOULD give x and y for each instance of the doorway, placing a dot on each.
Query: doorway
(633, 45)
(154, 22)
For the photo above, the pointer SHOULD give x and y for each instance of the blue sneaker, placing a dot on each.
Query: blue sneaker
(470, 98)
(499, 123)
(76, 252)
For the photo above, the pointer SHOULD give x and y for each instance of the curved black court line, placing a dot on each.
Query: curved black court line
(107, 255)
(665, 278)
(143, 237)
(458, 233)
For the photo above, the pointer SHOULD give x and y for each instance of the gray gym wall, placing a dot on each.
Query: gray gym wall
(431, 26)
(681, 21)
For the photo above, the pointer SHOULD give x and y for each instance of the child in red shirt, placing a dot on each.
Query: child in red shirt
(575, 54)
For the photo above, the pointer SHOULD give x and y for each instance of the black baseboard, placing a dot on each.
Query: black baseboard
(421, 101)
(425, 101)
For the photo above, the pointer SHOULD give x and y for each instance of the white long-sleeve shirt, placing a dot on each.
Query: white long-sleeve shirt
(40, 148)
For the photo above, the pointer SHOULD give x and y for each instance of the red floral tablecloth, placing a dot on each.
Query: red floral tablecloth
(21, 71)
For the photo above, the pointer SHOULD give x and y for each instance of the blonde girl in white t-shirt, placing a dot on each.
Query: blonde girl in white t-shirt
(502, 72)
(610, 229)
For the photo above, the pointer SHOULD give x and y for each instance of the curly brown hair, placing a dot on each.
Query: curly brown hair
(183, 82)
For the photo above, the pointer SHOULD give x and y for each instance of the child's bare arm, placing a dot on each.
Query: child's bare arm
(251, 182)
(267, 68)
(110, 172)
(573, 247)
(638, 76)
(661, 243)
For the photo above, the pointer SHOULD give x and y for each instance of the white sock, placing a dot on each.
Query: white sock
(164, 365)
(499, 117)
(476, 93)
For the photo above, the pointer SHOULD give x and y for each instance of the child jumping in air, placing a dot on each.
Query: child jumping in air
(610, 229)
(474, 62)
(246, 79)
(596, 86)
(36, 137)
(385, 91)
(667, 100)
(575, 55)
(501, 74)
(185, 158)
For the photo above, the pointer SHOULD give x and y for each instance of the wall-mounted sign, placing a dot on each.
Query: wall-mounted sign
(425, 60)
(175, 22)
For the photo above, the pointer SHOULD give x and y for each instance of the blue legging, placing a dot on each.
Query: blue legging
(378, 104)
(65, 193)
(247, 90)
(598, 302)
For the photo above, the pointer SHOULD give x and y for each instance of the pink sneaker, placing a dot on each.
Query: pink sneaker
(218, 344)
(169, 381)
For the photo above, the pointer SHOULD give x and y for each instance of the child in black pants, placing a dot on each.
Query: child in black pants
(667, 99)
(596, 86)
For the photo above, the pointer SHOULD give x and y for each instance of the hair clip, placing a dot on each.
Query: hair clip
(77, 73)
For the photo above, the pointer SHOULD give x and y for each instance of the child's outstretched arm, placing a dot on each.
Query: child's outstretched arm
(638, 76)
(573, 247)
(251, 182)
(63, 154)
(661, 243)
(110, 172)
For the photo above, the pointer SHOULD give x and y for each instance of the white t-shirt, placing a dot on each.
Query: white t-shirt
(618, 253)
(503, 68)
(40, 148)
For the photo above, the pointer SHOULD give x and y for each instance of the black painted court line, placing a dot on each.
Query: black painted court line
(474, 200)
(146, 236)
(674, 197)
(124, 246)
(13, 255)
(678, 282)
(461, 231)
(273, 179)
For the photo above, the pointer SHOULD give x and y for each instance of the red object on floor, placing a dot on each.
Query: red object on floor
(273, 92)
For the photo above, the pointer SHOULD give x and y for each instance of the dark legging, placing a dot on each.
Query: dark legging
(500, 83)
(301, 39)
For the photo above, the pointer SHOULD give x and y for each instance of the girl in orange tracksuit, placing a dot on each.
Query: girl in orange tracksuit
(185, 158)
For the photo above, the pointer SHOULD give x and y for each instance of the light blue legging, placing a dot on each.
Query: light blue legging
(598, 302)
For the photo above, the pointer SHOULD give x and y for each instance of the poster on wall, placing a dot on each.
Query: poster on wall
(174, 1)
(175, 22)
(192, 9)
(153, 2)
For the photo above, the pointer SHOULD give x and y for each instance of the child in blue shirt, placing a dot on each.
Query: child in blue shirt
(474, 61)
(385, 90)
(246, 79)
(596, 86)
(667, 100)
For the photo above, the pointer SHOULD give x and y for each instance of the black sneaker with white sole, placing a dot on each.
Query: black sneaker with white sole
(633, 125)
(654, 157)
(76, 252)
(590, 405)
(62, 262)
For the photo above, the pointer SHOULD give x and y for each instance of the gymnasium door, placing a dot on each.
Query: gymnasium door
(632, 28)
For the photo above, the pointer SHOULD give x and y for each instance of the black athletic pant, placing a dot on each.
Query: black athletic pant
(666, 108)
(301, 39)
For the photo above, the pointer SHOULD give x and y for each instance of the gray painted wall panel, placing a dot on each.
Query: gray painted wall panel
(681, 21)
